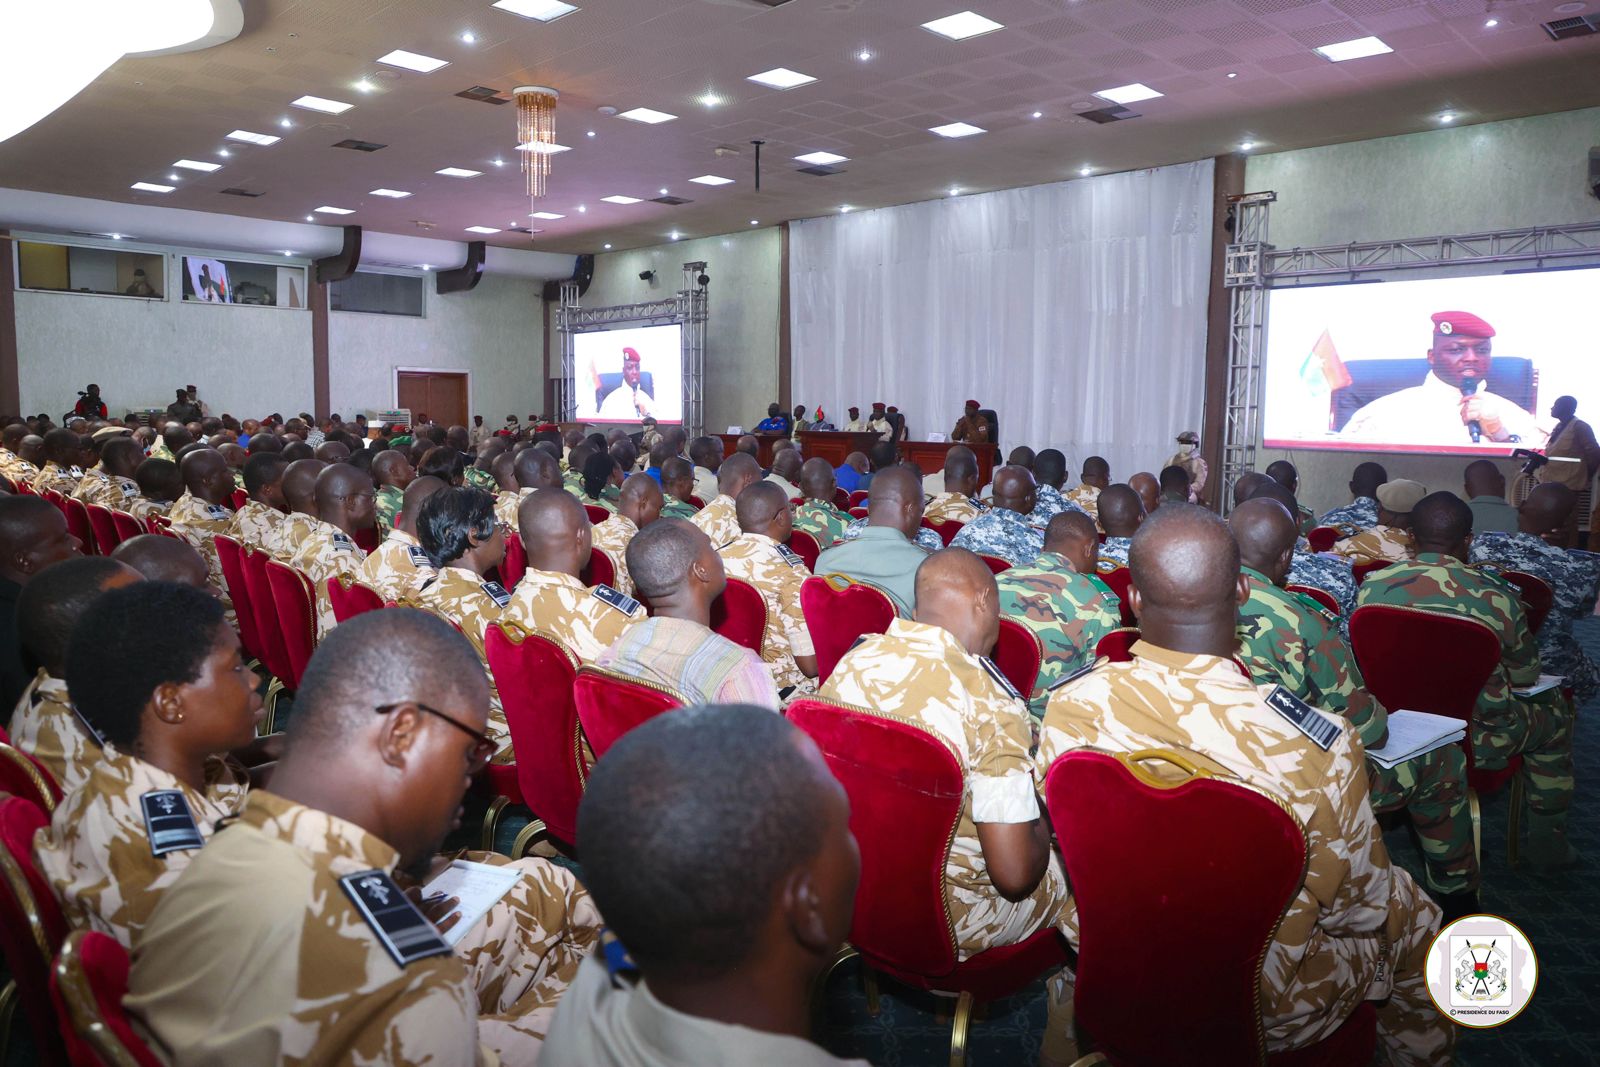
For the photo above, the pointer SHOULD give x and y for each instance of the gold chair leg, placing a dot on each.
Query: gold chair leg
(525, 837)
(869, 981)
(1514, 823)
(491, 821)
(819, 986)
(1477, 825)
(958, 1030)
(8, 1008)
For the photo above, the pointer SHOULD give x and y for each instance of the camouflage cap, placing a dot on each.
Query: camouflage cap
(1401, 495)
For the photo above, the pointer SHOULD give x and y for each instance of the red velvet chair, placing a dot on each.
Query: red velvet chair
(296, 608)
(367, 539)
(1117, 646)
(946, 530)
(1153, 878)
(1425, 661)
(24, 489)
(515, 565)
(841, 499)
(837, 611)
(23, 776)
(696, 502)
(127, 526)
(1321, 596)
(1361, 570)
(230, 555)
(906, 790)
(1537, 596)
(858, 512)
(1323, 538)
(740, 615)
(239, 499)
(350, 598)
(600, 571)
(1019, 655)
(31, 925)
(610, 704)
(995, 563)
(55, 497)
(87, 986)
(1120, 580)
(805, 546)
(77, 513)
(535, 673)
(274, 654)
(596, 513)
(106, 537)
(858, 497)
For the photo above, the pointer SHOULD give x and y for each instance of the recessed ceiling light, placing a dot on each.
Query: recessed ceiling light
(254, 138)
(223, 152)
(458, 172)
(116, 237)
(1447, 118)
(466, 38)
(151, 187)
(589, 133)
(709, 99)
(712, 179)
(608, 248)
(1359, 48)
(287, 252)
(963, 24)
(426, 266)
(413, 61)
(322, 104)
(196, 164)
(543, 10)
(863, 55)
(394, 194)
(822, 159)
(364, 86)
(755, 222)
(498, 162)
(1128, 94)
(286, 123)
(582, 208)
(957, 129)
(1085, 170)
(781, 78)
(674, 235)
(543, 148)
(548, 216)
(646, 115)
(1233, 74)
(310, 218)
(662, 191)
(844, 209)
(1245, 146)
(172, 178)
(326, 210)
(482, 229)
(1490, 24)
(616, 198)
(1038, 114)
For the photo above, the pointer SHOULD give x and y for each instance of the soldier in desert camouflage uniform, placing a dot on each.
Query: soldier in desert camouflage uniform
(958, 502)
(398, 566)
(61, 472)
(819, 516)
(299, 487)
(534, 469)
(1292, 641)
(344, 497)
(719, 520)
(200, 513)
(1390, 539)
(1504, 724)
(639, 505)
(12, 465)
(1571, 574)
(550, 599)
(259, 517)
(1004, 530)
(1059, 598)
(1358, 929)
(110, 483)
(761, 557)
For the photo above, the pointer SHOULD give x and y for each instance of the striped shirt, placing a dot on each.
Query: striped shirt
(704, 667)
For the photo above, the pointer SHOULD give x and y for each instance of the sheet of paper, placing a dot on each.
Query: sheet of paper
(477, 885)
(1412, 733)
(1545, 682)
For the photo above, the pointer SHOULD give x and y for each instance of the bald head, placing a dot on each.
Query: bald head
(1120, 510)
(1267, 489)
(787, 464)
(338, 490)
(332, 452)
(736, 472)
(1366, 478)
(1244, 486)
(391, 467)
(1266, 535)
(673, 559)
(416, 495)
(163, 559)
(534, 468)
(555, 532)
(955, 591)
(299, 485)
(206, 475)
(1184, 566)
(1072, 536)
(960, 471)
(1149, 489)
(748, 445)
(758, 506)
(1441, 522)
(1014, 489)
(896, 500)
(677, 478)
(641, 499)
(1546, 509)
(1283, 472)
(1096, 472)
(1483, 478)
(817, 480)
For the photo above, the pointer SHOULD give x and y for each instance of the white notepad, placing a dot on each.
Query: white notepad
(1413, 733)
(1545, 682)
(477, 885)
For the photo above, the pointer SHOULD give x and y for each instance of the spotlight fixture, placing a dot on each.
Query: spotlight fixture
(607, 248)
(864, 55)
(469, 38)
(703, 280)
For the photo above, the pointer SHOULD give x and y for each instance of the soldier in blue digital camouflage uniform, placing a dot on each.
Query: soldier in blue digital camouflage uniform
(1004, 531)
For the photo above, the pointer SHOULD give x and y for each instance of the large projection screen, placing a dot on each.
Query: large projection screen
(1369, 367)
(624, 375)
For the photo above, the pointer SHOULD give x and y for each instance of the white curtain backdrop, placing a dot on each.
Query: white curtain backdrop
(1077, 311)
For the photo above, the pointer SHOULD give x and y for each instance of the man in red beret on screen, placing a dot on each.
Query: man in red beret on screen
(1452, 406)
(971, 428)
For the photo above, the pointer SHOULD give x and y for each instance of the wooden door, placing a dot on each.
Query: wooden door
(440, 395)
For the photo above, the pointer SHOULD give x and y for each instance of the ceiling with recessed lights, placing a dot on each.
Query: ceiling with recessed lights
(380, 116)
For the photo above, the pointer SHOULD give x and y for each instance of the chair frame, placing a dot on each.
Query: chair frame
(833, 580)
(42, 782)
(16, 883)
(766, 616)
(82, 1006)
(593, 670)
(347, 583)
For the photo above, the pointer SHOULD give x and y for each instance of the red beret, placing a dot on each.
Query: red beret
(973, 404)
(631, 353)
(893, 409)
(877, 406)
(1461, 324)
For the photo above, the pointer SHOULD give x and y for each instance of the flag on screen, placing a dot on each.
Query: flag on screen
(1323, 371)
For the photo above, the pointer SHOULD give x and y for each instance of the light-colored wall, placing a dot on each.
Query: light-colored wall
(491, 332)
(1468, 179)
(742, 329)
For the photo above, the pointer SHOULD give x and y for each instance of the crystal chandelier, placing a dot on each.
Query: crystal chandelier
(536, 134)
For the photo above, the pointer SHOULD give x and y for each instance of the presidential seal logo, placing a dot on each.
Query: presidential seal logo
(1481, 971)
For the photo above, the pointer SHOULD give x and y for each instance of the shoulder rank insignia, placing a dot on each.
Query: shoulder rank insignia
(400, 926)
(342, 540)
(497, 593)
(217, 511)
(1000, 679)
(790, 556)
(419, 558)
(980, 505)
(1105, 565)
(1311, 604)
(616, 598)
(168, 822)
(1073, 677)
(1303, 717)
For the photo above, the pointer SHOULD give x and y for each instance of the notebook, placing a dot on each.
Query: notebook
(1415, 733)
(478, 886)
(1545, 682)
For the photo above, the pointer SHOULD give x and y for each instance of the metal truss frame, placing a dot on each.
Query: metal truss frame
(688, 307)
(1252, 267)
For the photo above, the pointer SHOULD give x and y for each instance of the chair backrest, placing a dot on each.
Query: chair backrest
(350, 598)
(23, 776)
(534, 674)
(1321, 596)
(1537, 596)
(946, 530)
(1196, 868)
(611, 704)
(367, 538)
(858, 512)
(1361, 570)
(127, 526)
(1117, 646)
(995, 563)
(296, 609)
(805, 546)
(1423, 660)
(1118, 578)
(78, 525)
(600, 571)
(858, 497)
(841, 499)
(230, 556)
(270, 637)
(23, 488)
(696, 502)
(906, 789)
(1019, 655)
(106, 537)
(238, 499)
(515, 565)
(1322, 538)
(596, 513)
(31, 923)
(837, 611)
(740, 615)
(87, 985)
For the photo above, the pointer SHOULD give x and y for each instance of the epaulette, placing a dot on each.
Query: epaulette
(980, 505)
(342, 540)
(1074, 676)
(402, 929)
(790, 556)
(1321, 610)
(1303, 717)
(217, 511)
(169, 823)
(497, 593)
(1103, 565)
(995, 673)
(419, 558)
(615, 598)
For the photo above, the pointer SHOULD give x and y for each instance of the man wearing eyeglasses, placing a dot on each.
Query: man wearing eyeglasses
(346, 502)
(295, 933)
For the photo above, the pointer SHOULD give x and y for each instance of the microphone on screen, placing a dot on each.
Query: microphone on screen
(1469, 387)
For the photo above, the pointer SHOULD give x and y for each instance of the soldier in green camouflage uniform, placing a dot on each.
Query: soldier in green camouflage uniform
(1059, 598)
(818, 516)
(677, 486)
(1539, 728)
(1290, 640)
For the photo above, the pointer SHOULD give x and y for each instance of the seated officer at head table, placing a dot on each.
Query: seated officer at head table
(1358, 929)
(289, 937)
(725, 895)
(775, 422)
(972, 428)
(169, 703)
